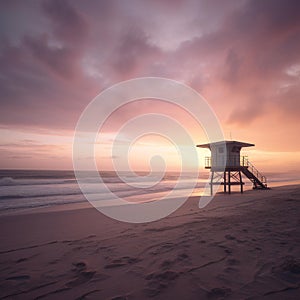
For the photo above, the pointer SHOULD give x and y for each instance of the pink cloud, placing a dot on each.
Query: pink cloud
(235, 54)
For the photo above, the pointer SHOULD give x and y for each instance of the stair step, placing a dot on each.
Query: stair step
(258, 183)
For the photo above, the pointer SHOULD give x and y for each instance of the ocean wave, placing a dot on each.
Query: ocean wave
(9, 181)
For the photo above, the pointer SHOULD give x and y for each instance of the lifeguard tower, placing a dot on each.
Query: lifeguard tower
(227, 165)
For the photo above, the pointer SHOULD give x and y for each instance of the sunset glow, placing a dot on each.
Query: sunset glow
(56, 56)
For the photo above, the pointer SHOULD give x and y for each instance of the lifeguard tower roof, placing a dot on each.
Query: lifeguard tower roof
(232, 143)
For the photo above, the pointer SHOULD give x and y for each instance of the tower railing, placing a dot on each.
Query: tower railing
(244, 162)
(207, 162)
(232, 161)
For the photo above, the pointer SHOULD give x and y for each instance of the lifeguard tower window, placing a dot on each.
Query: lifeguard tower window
(221, 150)
(236, 149)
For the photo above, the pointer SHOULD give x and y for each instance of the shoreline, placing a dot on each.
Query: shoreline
(85, 204)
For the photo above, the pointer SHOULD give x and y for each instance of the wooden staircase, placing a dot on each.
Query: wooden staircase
(259, 181)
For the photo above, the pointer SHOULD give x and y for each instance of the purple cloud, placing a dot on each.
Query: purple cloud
(55, 60)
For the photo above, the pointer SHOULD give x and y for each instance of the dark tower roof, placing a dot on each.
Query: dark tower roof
(235, 143)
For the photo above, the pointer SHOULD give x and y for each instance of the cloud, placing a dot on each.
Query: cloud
(134, 54)
(288, 103)
(69, 24)
(61, 54)
(61, 60)
(245, 61)
(42, 82)
(232, 66)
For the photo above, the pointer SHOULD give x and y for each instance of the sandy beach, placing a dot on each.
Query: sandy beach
(238, 247)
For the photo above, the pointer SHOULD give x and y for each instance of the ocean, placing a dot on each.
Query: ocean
(29, 189)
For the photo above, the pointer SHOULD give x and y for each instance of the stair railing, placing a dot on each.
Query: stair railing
(246, 163)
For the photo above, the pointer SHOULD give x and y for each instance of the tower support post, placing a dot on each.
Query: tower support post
(241, 182)
(211, 182)
(229, 183)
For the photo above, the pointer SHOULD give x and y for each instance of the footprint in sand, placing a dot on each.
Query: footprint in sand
(21, 260)
(123, 261)
(218, 293)
(291, 264)
(288, 270)
(82, 274)
(233, 262)
(159, 281)
(19, 277)
(166, 264)
(79, 265)
(82, 277)
(120, 298)
(229, 237)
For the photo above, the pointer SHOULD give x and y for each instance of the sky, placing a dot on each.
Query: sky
(56, 56)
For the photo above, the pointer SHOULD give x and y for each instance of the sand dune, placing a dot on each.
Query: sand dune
(238, 247)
